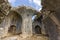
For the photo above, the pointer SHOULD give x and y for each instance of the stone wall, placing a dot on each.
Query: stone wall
(54, 7)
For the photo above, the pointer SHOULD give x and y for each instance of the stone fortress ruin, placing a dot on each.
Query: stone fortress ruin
(17, 24)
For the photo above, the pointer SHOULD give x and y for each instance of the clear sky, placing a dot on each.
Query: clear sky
(33, 3)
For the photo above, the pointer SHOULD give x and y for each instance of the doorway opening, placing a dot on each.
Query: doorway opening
(12, 29)
(38, 29)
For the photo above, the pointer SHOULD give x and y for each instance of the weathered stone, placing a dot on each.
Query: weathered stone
(21, 18)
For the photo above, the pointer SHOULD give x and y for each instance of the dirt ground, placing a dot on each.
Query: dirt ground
(18, 37)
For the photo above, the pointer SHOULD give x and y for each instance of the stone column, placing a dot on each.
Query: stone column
(26, 24)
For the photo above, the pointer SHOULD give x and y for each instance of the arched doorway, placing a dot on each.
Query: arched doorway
(37, 29)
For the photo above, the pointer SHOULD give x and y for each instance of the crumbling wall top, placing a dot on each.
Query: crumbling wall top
(29, 9)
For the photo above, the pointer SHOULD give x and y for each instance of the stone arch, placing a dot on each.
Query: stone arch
(37, 26)
(15, 20)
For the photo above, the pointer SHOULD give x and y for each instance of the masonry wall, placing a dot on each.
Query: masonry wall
(51, 29)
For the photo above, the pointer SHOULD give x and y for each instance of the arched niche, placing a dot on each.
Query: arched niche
(15, 21)
(37, 25)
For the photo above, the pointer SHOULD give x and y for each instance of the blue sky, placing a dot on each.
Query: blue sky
(33, 3)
